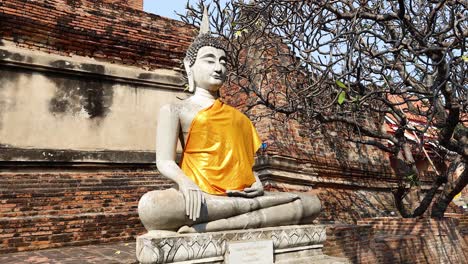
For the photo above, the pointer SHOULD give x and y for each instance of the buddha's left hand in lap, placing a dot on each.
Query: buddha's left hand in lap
(250, 192)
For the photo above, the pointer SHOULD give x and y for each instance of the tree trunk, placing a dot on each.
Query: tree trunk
(405, 165)
(429, 196)
(399, 195)
(440, 206)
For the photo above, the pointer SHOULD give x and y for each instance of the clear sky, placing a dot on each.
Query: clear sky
(166, 8)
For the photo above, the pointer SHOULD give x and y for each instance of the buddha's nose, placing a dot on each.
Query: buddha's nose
(218, 67)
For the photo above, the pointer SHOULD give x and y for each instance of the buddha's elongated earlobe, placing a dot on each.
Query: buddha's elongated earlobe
(190, 80)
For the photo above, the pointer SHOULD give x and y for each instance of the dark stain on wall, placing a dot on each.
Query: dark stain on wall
(67, 65)
(76, 94)
(94, 101)
(14, 56)
(10, 153)
(61, 64)
(145, 76)
(179, 80)
(6, 77)
(95, 68)
(58, 105)
(11, 55)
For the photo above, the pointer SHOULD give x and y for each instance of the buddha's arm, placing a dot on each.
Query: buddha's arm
(166, 146)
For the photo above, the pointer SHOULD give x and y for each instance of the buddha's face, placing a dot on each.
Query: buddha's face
(209, 69)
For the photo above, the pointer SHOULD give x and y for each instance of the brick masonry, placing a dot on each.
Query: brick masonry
(135, 4)
(464, 226)
(462, 223)
(396, 240)
(46, 210)
(106, 32)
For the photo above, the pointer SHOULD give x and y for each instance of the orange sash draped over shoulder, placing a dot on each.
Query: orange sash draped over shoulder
(220, 148)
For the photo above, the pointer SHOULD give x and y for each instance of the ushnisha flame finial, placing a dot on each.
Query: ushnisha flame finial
(203, 39)
(205, 23)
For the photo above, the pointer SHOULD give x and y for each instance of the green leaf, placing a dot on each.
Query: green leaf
(341, 97)
(412, 180)
(465, 58)
(356, 99)
(341, 84)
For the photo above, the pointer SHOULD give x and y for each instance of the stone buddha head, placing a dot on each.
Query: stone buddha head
(205, 60)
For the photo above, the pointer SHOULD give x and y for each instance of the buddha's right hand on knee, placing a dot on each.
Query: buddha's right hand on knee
(194, 198)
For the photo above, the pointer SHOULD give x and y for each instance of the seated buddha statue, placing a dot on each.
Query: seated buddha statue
(216, 187)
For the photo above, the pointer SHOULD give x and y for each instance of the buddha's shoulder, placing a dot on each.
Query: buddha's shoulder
(236, 112)
(230, 107)
(179, 106)
(175, 105)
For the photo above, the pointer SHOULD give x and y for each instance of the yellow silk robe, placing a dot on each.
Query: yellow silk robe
(220, 148)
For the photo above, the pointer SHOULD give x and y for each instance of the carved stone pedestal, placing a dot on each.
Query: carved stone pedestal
(291, 244)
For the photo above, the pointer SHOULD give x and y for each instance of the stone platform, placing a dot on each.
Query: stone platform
(109, 253)
(291, 244)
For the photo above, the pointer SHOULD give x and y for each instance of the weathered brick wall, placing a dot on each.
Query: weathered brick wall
(345, 204)
(107, 32)
(351, 242)
(352, 205)
(44, 210)
(427, 240)
(396, 240)
(136, 4)
(463, 226)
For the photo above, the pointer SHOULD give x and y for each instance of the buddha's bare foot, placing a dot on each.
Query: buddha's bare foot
(213, 226)
(186, 229)
(161, 233)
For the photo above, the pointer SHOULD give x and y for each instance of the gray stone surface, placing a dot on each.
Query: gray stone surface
(254, 252)
(288, 242)
(307, 256)
(75, 109)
